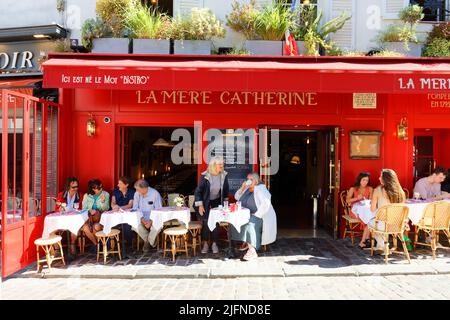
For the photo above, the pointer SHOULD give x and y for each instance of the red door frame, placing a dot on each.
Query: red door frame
(13, 245)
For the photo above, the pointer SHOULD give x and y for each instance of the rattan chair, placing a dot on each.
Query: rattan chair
(47, 245)
(175, 234)
(390, 221)
(351, 224)
(195, 230)
(114, 237)
(436, 218)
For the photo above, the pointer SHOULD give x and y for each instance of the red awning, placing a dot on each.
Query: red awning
(137, 72)
(24, 86)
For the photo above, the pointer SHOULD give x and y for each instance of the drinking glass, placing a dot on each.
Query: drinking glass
(76, 205)
(225, 204)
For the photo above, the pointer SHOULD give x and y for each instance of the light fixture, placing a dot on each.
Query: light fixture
(295, 160)
(41, 36)
(161, 143)
(154, 2)
(307, 140)
(402, 129)
(90, 126)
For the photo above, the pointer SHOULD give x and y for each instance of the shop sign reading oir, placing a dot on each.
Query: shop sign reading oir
(270, 98)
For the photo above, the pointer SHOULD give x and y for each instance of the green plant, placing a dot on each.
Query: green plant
(441, 30)
(242, 18)
(113, 13)
(438, 47)
(387, 53)
(145, 23)
(202, 24)
(411, 14)
(91, 29)
(306, 18)
(397, 33)
(273, 20)
(334, 50)
(62, 45)
(239, 52)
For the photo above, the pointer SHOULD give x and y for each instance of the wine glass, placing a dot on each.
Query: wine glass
(76, 206)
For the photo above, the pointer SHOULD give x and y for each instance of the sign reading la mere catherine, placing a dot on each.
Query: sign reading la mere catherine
(190, 97)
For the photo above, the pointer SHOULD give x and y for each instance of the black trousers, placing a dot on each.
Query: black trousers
(205, 229)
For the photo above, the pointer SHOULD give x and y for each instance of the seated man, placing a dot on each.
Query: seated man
(445, 186)
(430, 187)
(145, 200)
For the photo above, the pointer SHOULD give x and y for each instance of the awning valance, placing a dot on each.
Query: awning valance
(194, 73)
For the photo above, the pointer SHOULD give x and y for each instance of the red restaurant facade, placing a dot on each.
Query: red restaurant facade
(343, 101)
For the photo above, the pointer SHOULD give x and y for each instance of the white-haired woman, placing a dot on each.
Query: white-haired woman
(262, 227)
(211, 191)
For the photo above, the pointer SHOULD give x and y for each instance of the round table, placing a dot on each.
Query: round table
(416, 210)
(164, 214)
(71, 221)
(110, 219)
(237, 218)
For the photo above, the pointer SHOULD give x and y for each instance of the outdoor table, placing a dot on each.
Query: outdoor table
(236, 219)
(164, 214)
(416, 210)
(71, 221)
(110, 219)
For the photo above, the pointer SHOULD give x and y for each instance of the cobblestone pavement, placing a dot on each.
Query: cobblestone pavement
(409, 287)
(284, 258)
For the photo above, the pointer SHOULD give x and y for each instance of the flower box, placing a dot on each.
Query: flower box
(264, 47)
(415, 49)
(110, 45)
(154, 46)
(198, 47)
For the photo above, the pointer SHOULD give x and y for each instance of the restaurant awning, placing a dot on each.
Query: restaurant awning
(21, 85)
(218, 73)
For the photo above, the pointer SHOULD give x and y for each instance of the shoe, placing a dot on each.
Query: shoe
(146, 247)
(205, 248)
(243, 247)
(250, 255)
(215, 248)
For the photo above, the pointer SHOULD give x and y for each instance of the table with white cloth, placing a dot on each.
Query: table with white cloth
(236, 218)
(164, 214)
(110, 219)
(416, 210)
(71, 221)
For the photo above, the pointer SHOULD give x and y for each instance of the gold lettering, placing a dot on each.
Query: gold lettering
(236, 99)
(270, 98)
(206, 95)
(261, 98)
(183, 97)
(300, 97)
(222, 95)
(138, 93)
(194, 97)
(169, 95)
(246, 94)
(282, 98)
(312, 98)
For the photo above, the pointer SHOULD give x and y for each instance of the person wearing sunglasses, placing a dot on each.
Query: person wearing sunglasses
(96, 201)
(69, 200)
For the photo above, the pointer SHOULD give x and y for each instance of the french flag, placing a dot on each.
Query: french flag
(290, 46)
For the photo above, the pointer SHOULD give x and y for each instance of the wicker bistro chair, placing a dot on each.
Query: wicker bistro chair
(390, 220)
(436, 218)
(47, 245)
(351, 224)
(195, 230)
(176, 234)
(103, 238)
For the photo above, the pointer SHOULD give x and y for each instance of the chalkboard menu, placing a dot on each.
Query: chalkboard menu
(236, 147)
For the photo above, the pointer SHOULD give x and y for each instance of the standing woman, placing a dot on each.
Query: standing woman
(361, 190)
(96, 201)
(262, 226)
(211, 191)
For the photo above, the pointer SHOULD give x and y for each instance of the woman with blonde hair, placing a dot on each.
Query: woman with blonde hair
(389, 191)
(211, 191)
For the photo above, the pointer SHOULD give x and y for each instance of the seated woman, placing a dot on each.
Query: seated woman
(96, 201)
(262, 227)
(69, 200)
(389, 191)
(361, 190)
(122, 198)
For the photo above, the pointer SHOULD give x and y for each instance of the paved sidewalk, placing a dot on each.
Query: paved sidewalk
(285, 258)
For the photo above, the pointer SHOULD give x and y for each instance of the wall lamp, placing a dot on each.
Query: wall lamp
(402, 129)
(90, 126)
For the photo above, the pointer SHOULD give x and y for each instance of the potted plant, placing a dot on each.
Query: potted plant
(403, 39)
(438, 42)
(263, 29)
(193, 34)
(148, 29)
(93, 29)
(113, 15)
(311, 34)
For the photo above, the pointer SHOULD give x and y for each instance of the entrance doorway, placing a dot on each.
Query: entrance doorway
(305, 188)
(146, 153)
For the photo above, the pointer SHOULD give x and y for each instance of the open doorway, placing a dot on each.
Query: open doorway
(146, 154)
(302, 189)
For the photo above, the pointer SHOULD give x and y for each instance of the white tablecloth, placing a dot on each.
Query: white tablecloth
(110, 219)
(416, 210)
(71, 221)
(164, 214)
(237, 218)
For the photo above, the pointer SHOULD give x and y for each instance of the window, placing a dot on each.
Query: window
(434, 10)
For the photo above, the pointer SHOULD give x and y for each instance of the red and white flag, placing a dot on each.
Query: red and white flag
(290, 46)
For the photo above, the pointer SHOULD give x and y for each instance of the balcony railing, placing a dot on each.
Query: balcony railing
(434, 10)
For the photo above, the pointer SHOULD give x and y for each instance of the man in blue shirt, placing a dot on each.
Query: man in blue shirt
(145, 200)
